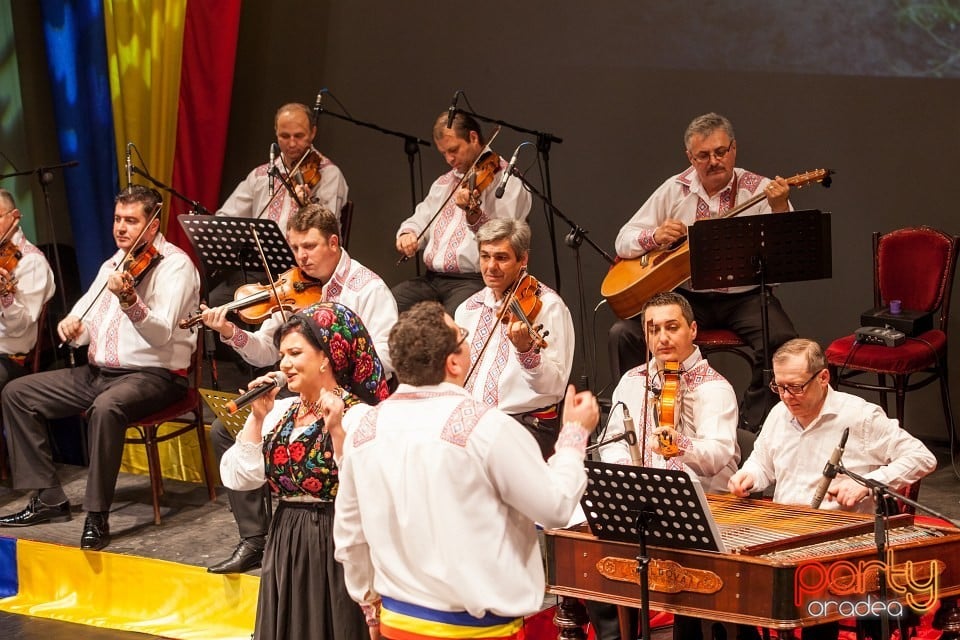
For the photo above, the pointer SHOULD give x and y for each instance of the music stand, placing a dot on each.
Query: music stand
(625, 503)
(756, 250)
(217, 401)
(222, 243)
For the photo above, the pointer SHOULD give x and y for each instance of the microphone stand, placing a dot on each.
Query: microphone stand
(880, 493)
(544, 141)
(574, 240)
(411, 147)
(195, 207)
(45, 176)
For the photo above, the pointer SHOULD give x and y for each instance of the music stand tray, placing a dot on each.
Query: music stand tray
(673, 502)
(752, 250)
(223, 243)
(217, 401)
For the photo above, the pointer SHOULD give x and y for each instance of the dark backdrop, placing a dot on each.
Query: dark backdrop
(856, 92)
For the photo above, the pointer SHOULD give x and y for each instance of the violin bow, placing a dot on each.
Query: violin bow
(285, 181)
(266, 269)
(123, 260)
(466, 175)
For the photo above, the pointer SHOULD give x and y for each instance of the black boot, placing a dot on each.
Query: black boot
(246, 556)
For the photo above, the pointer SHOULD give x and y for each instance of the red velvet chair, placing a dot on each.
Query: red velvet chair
(723, 340)
(915, 265)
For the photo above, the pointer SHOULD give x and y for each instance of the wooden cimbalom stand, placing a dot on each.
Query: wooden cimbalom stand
(753, 579)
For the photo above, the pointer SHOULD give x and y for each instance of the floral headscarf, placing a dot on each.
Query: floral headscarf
(345, 340)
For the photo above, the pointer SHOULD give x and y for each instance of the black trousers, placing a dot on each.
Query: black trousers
(739, 312)
(249, 507)
(112, 399)
(449, 289)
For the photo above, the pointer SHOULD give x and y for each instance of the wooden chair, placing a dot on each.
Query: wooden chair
(148, 429)
(346, 221)
(723, 340)
(915, 265)
(31, 364)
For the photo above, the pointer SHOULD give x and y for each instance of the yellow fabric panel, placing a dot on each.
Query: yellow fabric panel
(180, 457)
(144, 52)
(128, 593)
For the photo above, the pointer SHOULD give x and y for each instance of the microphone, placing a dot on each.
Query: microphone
(129, 165)
(506, 174)
(316, 105)
(628, 425)
(279, 381)
(629, 436)
(270, 168)
(829, 471)
(452, 111)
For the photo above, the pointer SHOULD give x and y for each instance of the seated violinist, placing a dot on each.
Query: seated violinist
(138, 361)
(313, 233)
(692, 428)
(444, 224)
(515, 366)
(26, 283)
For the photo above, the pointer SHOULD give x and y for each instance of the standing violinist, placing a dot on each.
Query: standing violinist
(515, 365)
(446, 234)
(315, 180)
(314, 236)
(26, 283)
(138, 361)
(704, 431)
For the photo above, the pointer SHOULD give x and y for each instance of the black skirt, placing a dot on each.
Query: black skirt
(302, 593)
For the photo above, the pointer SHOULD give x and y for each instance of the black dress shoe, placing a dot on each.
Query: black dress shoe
(96, 531)
(36, 513)
(245, 557)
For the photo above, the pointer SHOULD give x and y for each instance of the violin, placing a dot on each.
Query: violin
(307, 172)
(479, 178)
(293, 290)
(666, 405)
(9, 259)
(522, 305)
(137, 264)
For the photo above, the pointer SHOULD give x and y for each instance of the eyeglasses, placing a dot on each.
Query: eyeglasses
(792, 389)
(718, 153)
(464, 334)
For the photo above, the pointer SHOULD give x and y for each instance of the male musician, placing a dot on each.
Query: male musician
(444, 224)
(514, 366)
(705, 415)
(805, 427)
(709, 187)
(265, 186)
(314, 236)
(138, 360)
(439, 494)
(23, 292)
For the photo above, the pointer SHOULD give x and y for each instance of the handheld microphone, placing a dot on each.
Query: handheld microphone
(129, 165)
(829, 471)
(316, 105)
(279, 381)
(270, 168)
(452, 111)
(508, 172)
(635, 458)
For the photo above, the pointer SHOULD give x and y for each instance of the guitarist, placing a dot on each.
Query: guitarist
(709, 187)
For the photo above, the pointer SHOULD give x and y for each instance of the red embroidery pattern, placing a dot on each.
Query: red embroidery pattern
(137, 312)
(750, 182)
(461, 422)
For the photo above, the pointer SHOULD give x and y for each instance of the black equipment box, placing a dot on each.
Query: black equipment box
(912, 323)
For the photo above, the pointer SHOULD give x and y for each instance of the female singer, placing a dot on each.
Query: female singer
(329, 359)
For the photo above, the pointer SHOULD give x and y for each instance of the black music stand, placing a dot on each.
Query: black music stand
(222, 243)
(757, 250)
(625, 503)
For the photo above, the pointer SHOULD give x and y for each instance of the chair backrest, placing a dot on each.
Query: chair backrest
(915, 265)
(32, 362)
(346, 220)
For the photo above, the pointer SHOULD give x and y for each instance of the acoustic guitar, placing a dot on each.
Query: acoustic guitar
(633, 281)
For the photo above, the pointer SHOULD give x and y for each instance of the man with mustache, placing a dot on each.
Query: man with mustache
(708, 188)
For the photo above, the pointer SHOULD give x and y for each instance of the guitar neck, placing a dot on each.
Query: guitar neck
(743, 206)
